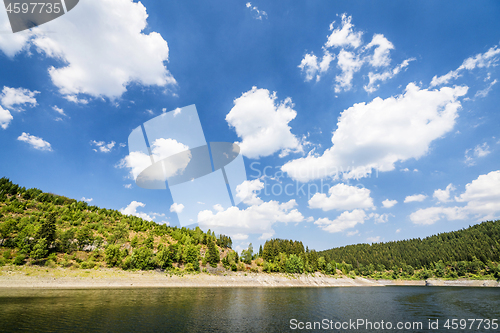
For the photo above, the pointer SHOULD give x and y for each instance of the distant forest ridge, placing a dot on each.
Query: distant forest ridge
(481, 242)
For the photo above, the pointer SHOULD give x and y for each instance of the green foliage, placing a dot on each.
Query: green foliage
(113, 256)
(142, 258)
(246, 255)
(19, 260)
(40, 249)
(213, 254)
(48, 229)
(294, 264)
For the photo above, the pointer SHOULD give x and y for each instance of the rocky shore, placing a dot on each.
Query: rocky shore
(52, 278)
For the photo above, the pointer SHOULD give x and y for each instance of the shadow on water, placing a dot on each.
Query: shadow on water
(236, 309)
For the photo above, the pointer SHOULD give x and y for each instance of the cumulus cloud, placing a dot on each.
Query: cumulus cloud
(102, 146)
(342, 197)
(351, 57)
(86, 199)
(178, 208)
(138, 161)
(5, 118)
(12, 44)
(12, 97)
(35, 142)
(131, 209)
(248, 191)
(428, 216)
(480, 60)
(482, 198)
(102, 58)
(471, 155)
(346, 220)
(415, 198)
(389, 203)
(378, 134)
(444, 195)
(258, 218)
(262, 124)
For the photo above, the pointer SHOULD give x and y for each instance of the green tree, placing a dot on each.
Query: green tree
(40, 249)
(294, 264)
(112, 255)
(48, 229)
(213, 254)
(246, 255)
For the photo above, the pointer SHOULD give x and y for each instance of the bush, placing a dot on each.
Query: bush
(294, 264)
(19, 260)
(112, 255)
(88, 264)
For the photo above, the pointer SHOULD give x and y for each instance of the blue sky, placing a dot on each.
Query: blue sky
(381, 117)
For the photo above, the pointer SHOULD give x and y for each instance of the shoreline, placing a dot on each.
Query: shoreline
(59, 278)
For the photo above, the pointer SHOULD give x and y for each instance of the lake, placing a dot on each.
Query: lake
(336, 309)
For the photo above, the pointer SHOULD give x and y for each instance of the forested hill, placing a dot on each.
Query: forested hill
(481, 241)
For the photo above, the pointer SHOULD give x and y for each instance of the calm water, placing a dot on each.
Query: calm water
(241, 309)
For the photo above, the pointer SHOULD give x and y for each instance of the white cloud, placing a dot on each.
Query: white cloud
(239, 237)
(483, 93)
(352, 233)
(138, 161)
(262, 124)
(346, 220)
(373, 239)
(352, 57)
(247, 192)
(482, 196)
(378, 134)
(373, 78)
(131, 209)
(398, 231)
(258, 14)
(415, 198)
(86, 199)
(428, 216)
(58, 110)
(256, 219)
(35, 142)
(128, 186)
(479, 151)
(178, 208)
(11, 97)
(380, 218)
(344, 36)
(342, 197)
(480, 60)
(102, 146)
(389, 203)
(349, 63)
(102, 58)
(444, 195)
(11, 43)
(5, 118)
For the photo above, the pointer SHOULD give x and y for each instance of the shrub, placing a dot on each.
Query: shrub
(112, 255)
(19, 260)
(294, 264)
